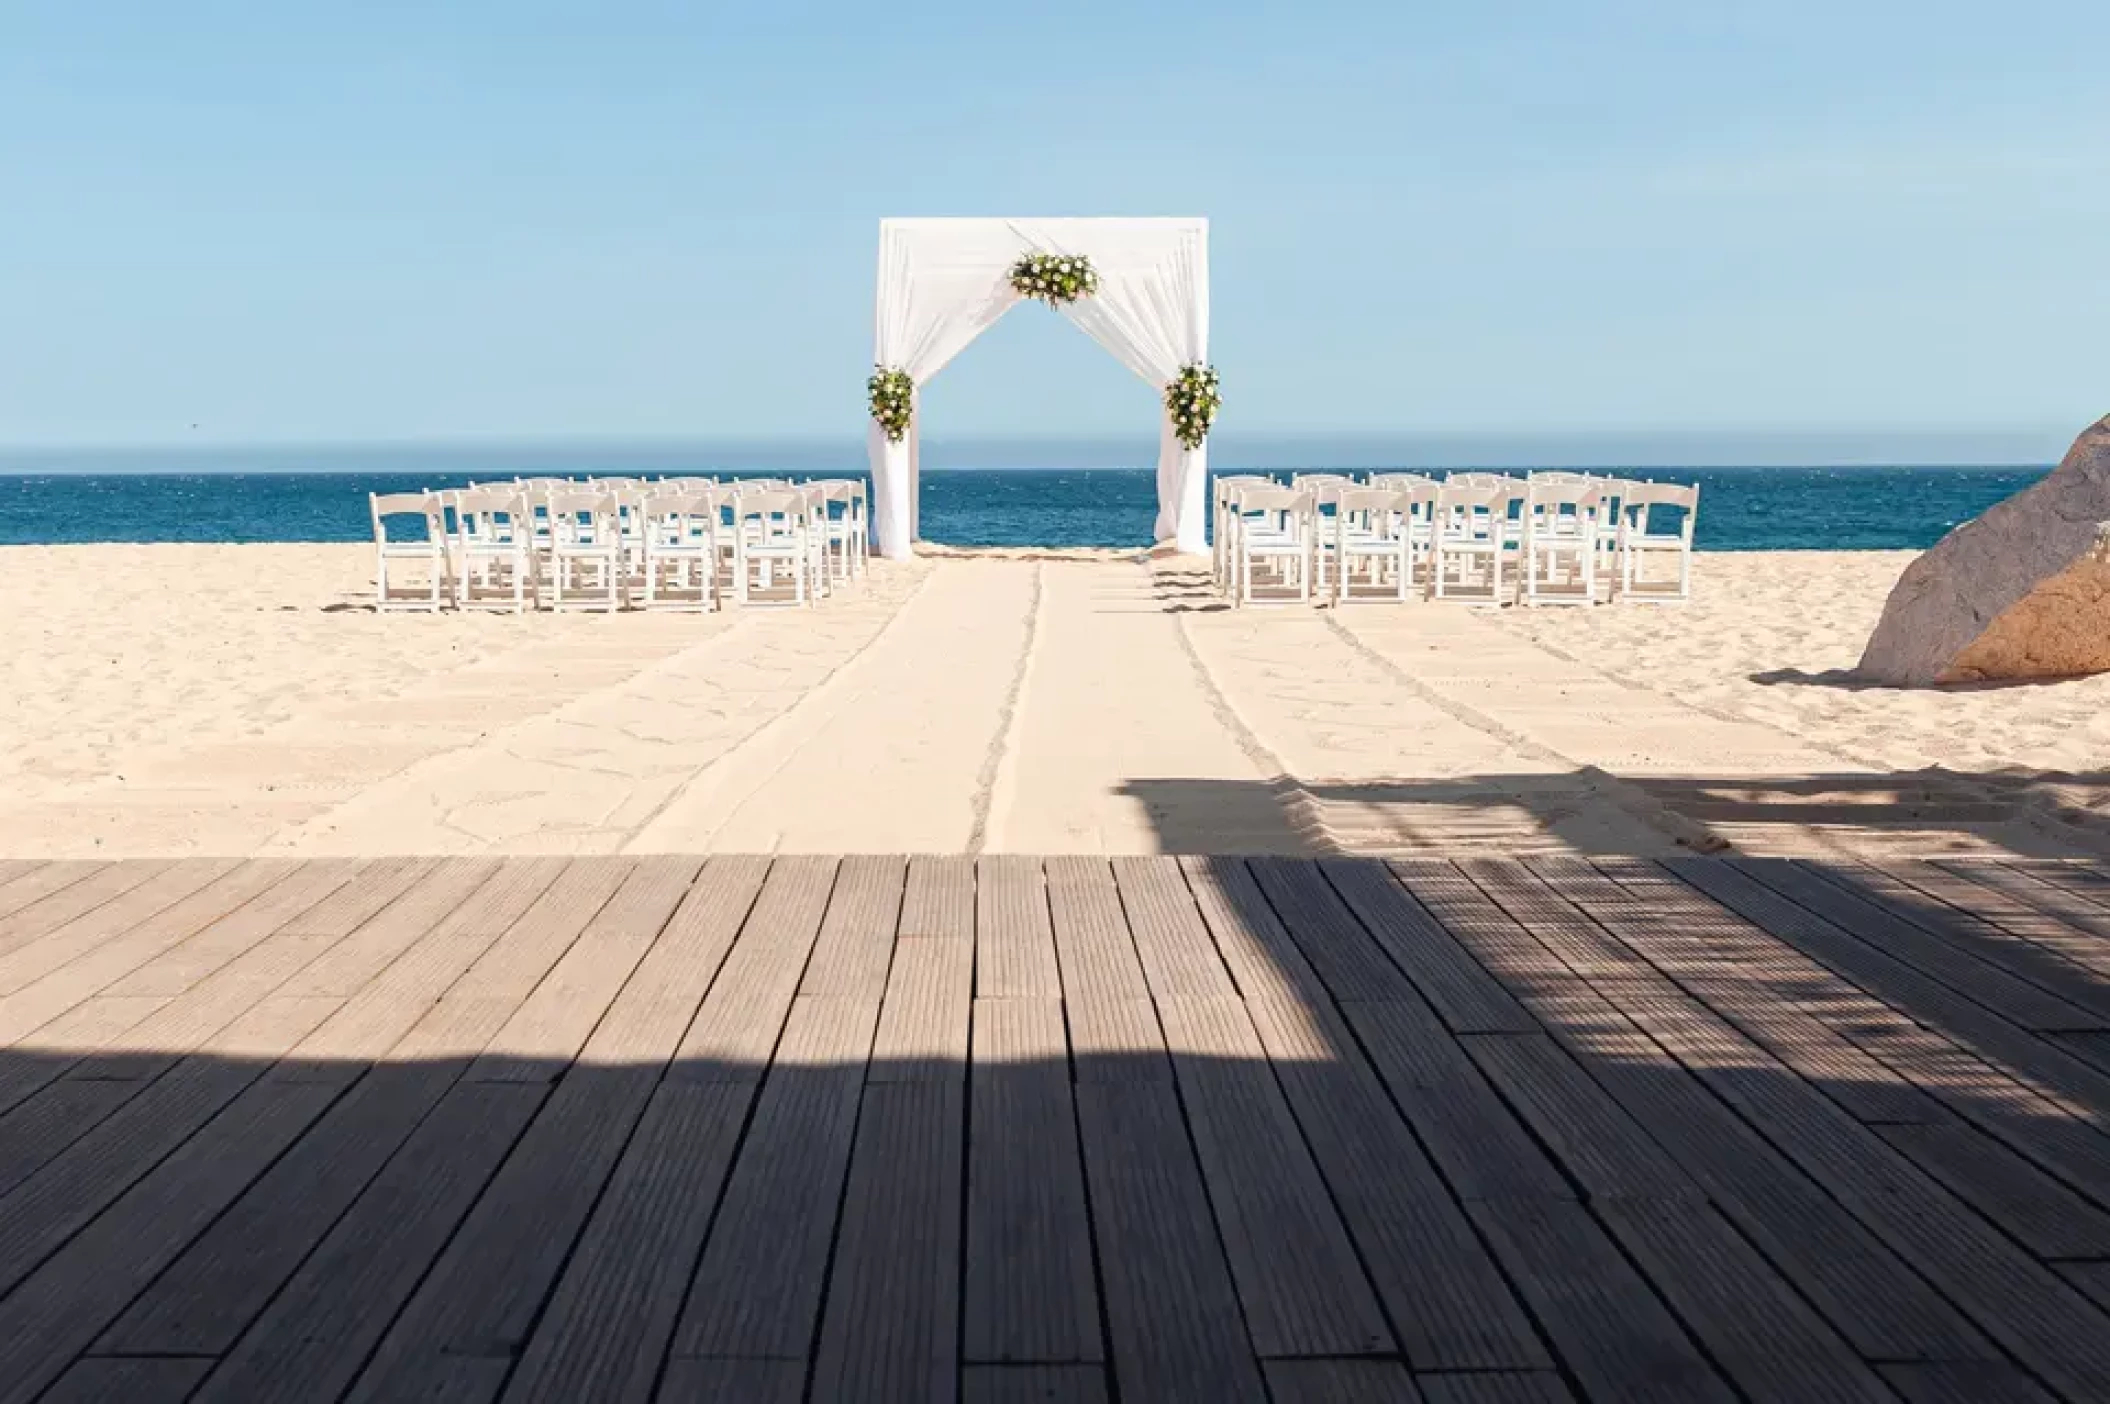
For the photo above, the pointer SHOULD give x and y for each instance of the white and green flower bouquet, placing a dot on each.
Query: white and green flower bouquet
(893, 397)
(1192, 400)
(1054, 278)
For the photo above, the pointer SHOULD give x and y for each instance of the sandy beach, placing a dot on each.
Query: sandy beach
(169, 700)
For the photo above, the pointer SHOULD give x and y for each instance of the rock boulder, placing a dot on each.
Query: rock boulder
(2021, 592)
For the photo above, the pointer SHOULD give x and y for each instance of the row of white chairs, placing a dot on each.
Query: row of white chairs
(1551, 538)
(614, 543)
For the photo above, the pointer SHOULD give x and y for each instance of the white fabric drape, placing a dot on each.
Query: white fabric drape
(943, 282)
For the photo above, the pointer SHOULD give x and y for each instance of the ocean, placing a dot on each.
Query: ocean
(1741, 509)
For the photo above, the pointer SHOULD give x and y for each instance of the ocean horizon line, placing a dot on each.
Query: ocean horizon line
(948, 453)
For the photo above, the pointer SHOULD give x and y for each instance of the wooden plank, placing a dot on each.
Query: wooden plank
(1506, 1387)
(202, 1304)
(1610, 1330)
(1981, 907)
(923, 1024)
(1458, 987)
(1483, 1150)
(83, 1179)
(660, 1001)
(1340, 1382)
(317, 1332)
(45, 902)
(33, 1134)
(731, 1038)
(856, 940)
(557, 1017)
(140, 1380)
(748, 1381)
(1831, 896)
(1659, 1052)
(1589, 1134)
(1449, 1306)
(490, 935)
(482, 1295)
(2078, 914)
(427, 907)
(1097, 955)
(2093, 1280)
(1030, 1293)
(224, 939)
(54, 1312)
(1172, 1313)
(1014, 934)
(1117, 1040)
(1296, 1272)
(615, 1308)
(2019, 1302)
(940, 898)
(1180, 961)
(198, 1013)
(2040, 1213)
(1755, 1329)
(1667, 954)
(88, 955)
(205, 1300)
(891, 1331)
(1264, 962)
(1033, 1384)
(757, 1290)
(1353, 966)
(1971, 1382)
(29, 881)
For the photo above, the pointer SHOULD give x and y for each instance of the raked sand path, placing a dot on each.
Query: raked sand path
(232, 700)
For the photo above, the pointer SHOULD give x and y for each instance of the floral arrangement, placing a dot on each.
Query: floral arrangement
(1054, 278)
(1192, 400)
(893, 397)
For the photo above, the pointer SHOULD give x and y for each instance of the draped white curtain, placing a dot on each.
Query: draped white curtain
(943, 282)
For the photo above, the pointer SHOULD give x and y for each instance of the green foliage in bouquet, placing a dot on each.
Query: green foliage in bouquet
(1192, 400)
(893, 397)
(1054, 278)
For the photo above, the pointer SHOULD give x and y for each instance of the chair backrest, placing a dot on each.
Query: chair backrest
(1319, 480)
(1400, 482)
(1489, 491)
(678, 509)
(1561, 475)
(768, 502)
(1371, 499)
(1273, 498)
(582, 516)
(1635, 501)
(1563, 491)
(424, 505)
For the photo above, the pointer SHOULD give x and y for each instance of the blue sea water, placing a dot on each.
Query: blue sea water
(1741, 509)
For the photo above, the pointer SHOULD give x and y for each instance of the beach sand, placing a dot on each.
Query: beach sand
(168, 700)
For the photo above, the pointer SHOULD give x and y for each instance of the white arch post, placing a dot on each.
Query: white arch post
(943, 282)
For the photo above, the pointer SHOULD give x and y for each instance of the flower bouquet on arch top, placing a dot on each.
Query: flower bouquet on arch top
(1054, 278)
(1192, 400)
(893, 400)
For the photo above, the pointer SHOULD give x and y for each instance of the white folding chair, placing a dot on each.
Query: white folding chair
(1470, 534)
(1274, 527)
(428, 550)
(493, 549)
(1222, 523)
(586, 550)
(1637, 542)
(1371, 526)
(1560, 528)
(772, 535)
(680, 540)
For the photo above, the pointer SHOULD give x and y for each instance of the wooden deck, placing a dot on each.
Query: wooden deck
(1009, 1130)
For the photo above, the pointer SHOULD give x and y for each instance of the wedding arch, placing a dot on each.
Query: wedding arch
(1138, 287)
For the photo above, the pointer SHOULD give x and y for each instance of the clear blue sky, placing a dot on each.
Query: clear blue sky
(395, 219)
